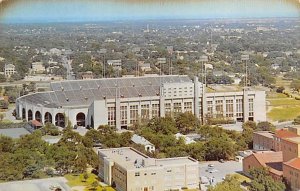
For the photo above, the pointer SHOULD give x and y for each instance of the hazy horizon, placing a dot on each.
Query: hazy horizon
(99, 11)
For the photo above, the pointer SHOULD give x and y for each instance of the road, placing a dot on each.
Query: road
(67, 64)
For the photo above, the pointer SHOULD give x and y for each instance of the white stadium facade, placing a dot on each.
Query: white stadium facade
(122, 102)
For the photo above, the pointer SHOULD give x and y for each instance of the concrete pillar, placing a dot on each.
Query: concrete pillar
(162, 102)
(53, 117)
(204, 104)
(245, 104)
(196, 97)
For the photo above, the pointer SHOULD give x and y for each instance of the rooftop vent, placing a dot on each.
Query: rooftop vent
(80, 87)
(85, 98)
(67, 99)
(62, 88)
(140, 95)
(104, 97)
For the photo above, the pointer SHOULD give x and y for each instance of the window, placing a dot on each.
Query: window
(187, 106)
(123, 112)
(137, 174)
(145, 111)
(177, 108)
(169, 170)
(219, 108)
(251, 114)
(209, 108)
(168, 108)
(133, 114)
(239, 107)
(229, 108)
(111, 116)
(155, 110)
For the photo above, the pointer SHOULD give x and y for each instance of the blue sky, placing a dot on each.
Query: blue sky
(106, 10)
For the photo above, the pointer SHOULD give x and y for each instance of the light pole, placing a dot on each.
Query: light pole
(245, 59)
(103, 51)
(203, 59)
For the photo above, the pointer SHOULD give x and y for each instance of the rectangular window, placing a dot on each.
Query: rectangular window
(168, 109)
(155, 110)
(145, 111)
(229, 108)
(177, 108)
(251, 108)
(209, 108)
(133, 114)
(219, 108)
(239, 107)
(123, 111)
(137, 174)
(188, 106)
(111, 116)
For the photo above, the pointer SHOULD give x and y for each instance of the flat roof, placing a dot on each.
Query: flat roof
(14, 132)
(130, 158)
(265, 134)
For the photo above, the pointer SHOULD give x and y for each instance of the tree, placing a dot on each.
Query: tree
(230, 183)
(297, 121)
(85, 176)
(219, 148)
(2, 78)
(295, 85)
(265, 126)
(262, 181)
(186, 122)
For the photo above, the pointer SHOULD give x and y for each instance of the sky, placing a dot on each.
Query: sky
(31, 11)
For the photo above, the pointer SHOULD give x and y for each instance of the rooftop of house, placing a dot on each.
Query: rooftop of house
(140, 140)
(284, 133)
(273, 160)
(295, 163)
(293, 139)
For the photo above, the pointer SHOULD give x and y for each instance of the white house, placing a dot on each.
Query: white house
(142, 141)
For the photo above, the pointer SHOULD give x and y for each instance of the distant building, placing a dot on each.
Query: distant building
(38, 67)
(142, 141)
(186, 139)
(116, 64)
(87, 75)
(130, 170)
(145, 67)
(9, 69)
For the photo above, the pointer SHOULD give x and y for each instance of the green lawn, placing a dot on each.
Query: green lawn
(282, 108)
(284, 113)
(78, 180)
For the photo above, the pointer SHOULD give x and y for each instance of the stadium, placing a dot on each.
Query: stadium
(122, 102)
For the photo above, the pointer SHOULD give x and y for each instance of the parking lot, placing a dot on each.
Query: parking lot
(217, 171)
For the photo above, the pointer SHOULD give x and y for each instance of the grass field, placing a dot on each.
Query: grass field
(75, 180)
(282, 108)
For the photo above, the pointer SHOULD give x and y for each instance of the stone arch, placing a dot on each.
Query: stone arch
(30, 115)
(38, 116)
(60, 120)
(48, 117)
(80, 119)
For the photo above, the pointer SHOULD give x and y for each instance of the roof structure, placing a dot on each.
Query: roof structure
(267, 134)
(84, 92)
(284, 133)
(295, 140)
(270, 159)
(295, 163)
(140, 140)
(131, 159)
(14, 132)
